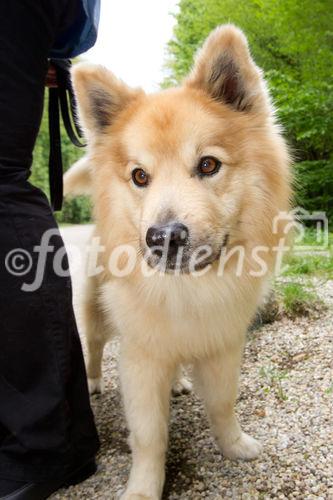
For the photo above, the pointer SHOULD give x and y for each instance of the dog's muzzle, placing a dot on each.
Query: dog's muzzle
(168, 241)
(170, 248)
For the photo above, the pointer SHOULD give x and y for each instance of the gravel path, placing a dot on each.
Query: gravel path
(286, 401)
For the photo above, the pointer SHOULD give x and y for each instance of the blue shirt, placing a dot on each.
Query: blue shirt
(82, 34)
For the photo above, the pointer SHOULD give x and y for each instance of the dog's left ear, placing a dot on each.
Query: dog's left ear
(100, 96)
(225, 71)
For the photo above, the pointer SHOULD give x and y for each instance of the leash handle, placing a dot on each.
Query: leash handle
(61, 100)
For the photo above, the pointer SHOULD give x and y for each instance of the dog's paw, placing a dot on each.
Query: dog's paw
(95, 385)
(246, 448)
(136, 496)
(181, 386)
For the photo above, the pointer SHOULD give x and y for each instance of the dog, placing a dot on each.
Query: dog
(179, 179)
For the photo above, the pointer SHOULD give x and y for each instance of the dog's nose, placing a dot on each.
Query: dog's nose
(175, 234)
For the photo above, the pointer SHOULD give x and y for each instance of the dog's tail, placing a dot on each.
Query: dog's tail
(77, 180)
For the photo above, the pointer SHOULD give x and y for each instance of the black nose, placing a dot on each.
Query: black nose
(174, 234)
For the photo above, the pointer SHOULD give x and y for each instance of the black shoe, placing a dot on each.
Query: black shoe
(14, 490)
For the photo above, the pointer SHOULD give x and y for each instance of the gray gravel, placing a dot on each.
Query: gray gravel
(286, 401)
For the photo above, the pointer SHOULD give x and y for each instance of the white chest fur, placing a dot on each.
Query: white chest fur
(182, 316)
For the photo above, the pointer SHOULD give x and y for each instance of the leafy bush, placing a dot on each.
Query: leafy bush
(75, 210)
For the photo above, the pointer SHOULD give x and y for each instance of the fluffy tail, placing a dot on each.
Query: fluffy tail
(77, 180)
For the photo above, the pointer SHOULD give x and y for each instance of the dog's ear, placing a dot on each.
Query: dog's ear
(225, 70)
(100, 97)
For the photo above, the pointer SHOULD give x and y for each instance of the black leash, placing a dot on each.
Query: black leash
(61, 99)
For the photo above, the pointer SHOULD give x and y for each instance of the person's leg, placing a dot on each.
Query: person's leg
(46, 424)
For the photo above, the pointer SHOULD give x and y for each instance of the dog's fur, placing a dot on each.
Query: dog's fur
(221, 110)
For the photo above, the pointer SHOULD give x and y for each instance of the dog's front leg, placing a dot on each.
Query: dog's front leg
(146, 386)
(217, 380)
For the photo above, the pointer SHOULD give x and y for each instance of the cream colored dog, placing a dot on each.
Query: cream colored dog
(179, 178)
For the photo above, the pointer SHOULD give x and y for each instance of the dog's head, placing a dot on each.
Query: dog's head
(184, 172)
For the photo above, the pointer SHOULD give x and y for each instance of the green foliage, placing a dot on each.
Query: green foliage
(314, 186)
(39, 172)
(74, 210)
(292, 36)
(293, 42)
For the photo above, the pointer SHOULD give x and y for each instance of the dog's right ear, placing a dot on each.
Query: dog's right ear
(100, 97)
(226, 72)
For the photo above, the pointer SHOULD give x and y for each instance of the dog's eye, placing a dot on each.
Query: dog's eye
(208, 165)
(140, 177)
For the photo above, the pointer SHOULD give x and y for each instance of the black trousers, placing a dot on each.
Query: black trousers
(46, 423)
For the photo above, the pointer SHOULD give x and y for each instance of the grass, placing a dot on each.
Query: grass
(297, 299)
(273, 381)
(329, 390)
(311, 263)
(319, 265)
(294, 291)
